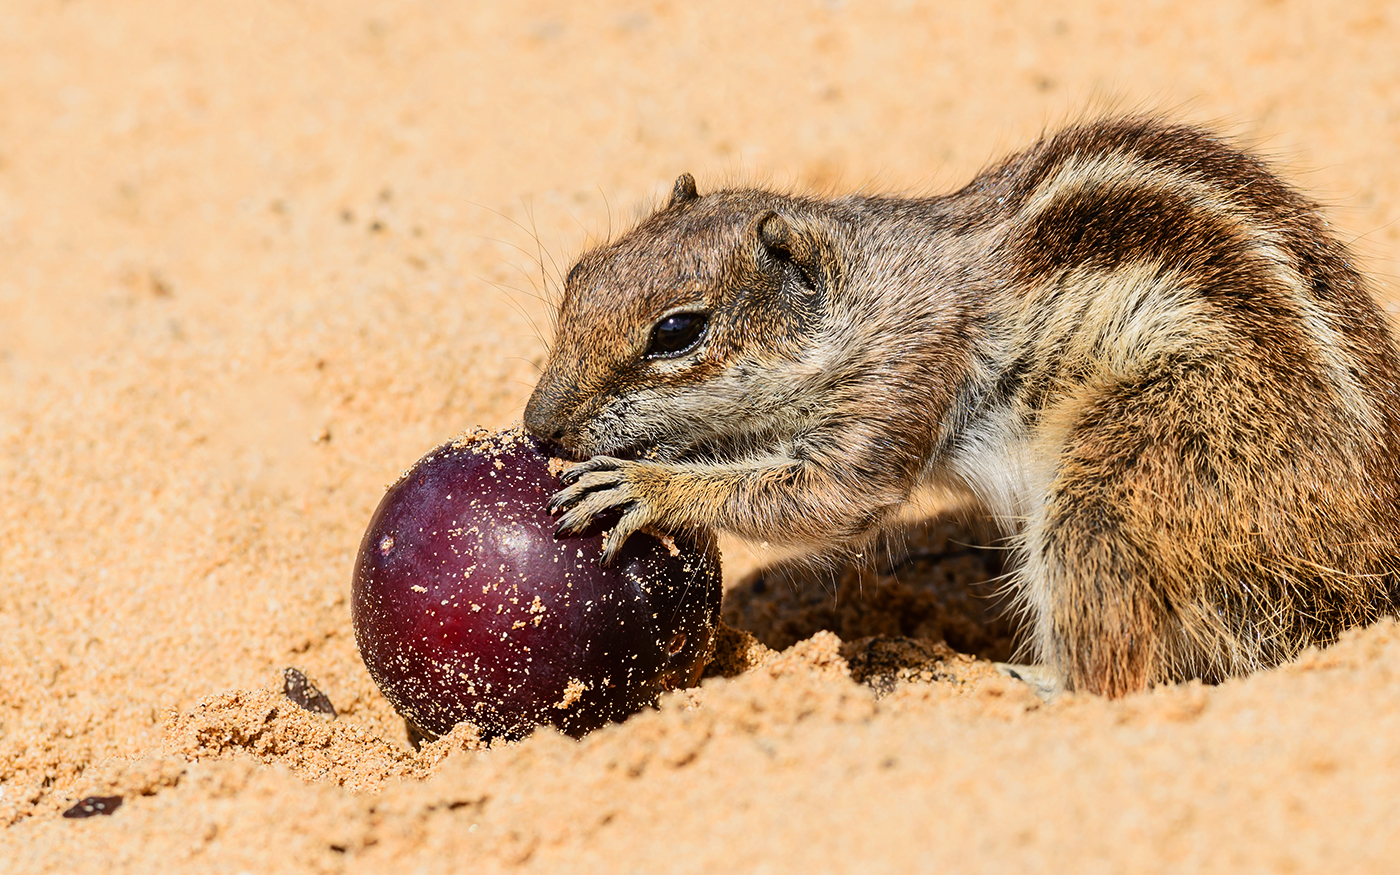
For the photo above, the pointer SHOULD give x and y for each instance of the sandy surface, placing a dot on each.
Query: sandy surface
(256, 258)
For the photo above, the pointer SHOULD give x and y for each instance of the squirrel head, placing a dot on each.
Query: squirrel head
(690, 332)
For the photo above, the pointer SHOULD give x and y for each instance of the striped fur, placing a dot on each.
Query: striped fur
(1140, 350)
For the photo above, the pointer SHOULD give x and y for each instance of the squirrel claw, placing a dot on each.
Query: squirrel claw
(587, 493)
(592, 484)
(595, 487)
(631, 522)
(575, 520)
(597, 463)
(609, 551)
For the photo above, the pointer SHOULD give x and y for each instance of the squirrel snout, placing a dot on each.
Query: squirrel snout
(556, 436)
(544, 420)
(542, 426)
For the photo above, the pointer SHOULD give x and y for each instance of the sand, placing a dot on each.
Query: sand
(257, 258)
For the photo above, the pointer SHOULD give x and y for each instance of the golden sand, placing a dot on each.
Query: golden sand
(256, 258)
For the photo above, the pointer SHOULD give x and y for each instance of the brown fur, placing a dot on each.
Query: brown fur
(1139, 349)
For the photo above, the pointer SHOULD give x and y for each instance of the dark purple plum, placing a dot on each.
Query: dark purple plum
(466, 607)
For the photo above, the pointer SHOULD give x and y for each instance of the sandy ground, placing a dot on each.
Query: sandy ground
(256, 258)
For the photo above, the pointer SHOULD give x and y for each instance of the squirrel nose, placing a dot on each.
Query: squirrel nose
(551, 437)
(540, 422)
(543, 430)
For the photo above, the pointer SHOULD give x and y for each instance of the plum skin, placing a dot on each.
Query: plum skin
(466, 607)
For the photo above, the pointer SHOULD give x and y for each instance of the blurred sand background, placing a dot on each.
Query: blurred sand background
(256, 258)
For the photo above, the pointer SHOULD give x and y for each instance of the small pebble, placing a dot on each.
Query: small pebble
(304, 693)
(94, 805)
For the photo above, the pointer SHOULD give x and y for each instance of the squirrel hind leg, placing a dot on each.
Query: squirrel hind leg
(1128, 564)
(1097, 627)
(1158, 555)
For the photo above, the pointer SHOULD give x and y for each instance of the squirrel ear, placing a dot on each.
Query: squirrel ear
(778, 248)
(683, 190)
(774, 240)
(780, 241)
(775, 233)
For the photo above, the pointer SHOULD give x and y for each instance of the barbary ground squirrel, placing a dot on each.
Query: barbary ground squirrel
(1141, 351)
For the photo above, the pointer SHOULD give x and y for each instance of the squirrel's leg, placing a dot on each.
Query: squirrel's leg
(830, 498)
(1191, 528)
(1100, 622)
(1130, 561)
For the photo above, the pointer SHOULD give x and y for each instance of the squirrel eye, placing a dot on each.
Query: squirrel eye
(676, 334)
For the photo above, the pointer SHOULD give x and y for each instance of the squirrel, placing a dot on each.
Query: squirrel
(1141, 351)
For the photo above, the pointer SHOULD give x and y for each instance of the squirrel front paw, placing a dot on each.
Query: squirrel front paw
(593, 487)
